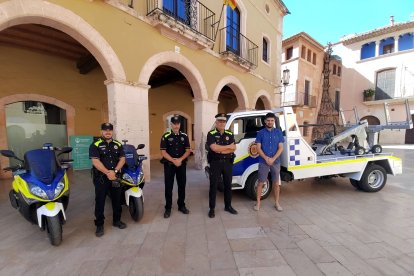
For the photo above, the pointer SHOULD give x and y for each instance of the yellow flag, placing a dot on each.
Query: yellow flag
(231, 3)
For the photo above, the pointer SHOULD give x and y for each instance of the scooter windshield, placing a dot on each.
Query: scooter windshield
(131, 157)
(42, 164)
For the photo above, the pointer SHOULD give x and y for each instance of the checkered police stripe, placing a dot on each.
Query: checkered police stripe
(294, 152)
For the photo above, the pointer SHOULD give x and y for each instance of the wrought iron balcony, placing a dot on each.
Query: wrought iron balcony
(299, 99)
(238, 48)
(183, 15)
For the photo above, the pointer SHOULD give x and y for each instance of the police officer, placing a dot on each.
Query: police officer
(107, 157)
(175, 148)
(220, 143)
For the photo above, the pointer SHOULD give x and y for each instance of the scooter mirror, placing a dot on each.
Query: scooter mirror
(65, 150)
(141, 146)
(8, 153)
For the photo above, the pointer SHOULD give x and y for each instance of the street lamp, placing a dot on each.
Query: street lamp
(285, 82)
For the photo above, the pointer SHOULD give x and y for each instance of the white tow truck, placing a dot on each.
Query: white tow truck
(299, 160)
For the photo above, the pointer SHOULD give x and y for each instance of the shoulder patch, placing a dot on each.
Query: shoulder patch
(98, 142)
(214, 131)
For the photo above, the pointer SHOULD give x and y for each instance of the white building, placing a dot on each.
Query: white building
(381, 59)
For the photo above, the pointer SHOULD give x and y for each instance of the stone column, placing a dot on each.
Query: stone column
(128, 111)
(204, 112)
(396, 43)
(377, 45)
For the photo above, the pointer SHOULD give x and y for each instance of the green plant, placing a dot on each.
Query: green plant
(369, 92)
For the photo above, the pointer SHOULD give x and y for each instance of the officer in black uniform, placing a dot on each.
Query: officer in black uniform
(220, 143)
(107, 157)
(175, 148)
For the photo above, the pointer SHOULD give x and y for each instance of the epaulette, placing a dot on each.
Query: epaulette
(98, 142)
(167, 134)
(117, 142)
(228, 132)
(183, 133)
(214, 131)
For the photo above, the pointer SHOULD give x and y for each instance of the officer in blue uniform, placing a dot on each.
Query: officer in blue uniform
(175, 148)
(221, 145)
(108, 158)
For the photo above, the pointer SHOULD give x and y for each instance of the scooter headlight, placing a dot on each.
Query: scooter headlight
(140, 177)
(59, 188)
(128, 178)
(37, 191)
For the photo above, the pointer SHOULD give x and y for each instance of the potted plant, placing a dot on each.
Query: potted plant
(369, 94)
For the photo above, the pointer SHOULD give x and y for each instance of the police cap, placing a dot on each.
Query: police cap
(221, 117)
(107, 126)
(175, 119)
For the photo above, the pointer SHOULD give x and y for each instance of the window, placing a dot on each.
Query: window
(385, 84)
(233, 30)
(289, 53)
(337, 100)
(386, 46)
(368, 50)
(303, 53)
(339, 71)
(314, 59)
(309, 55)
(406, 42)
(307, 93)
(246, 127)
(334, 69)
(265, 56)
(179, 9)
(305, 128)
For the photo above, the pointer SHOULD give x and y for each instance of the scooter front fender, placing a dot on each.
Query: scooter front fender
(50, 209)
(135, 192)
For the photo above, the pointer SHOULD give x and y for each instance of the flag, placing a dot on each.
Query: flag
(231, 3)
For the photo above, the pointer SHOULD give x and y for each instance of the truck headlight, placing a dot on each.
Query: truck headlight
(37, 191)
(128, 178)
(59, 188)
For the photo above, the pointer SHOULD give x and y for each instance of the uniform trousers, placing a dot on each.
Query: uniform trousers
(102, 186)
(220, 168)
(170, 172)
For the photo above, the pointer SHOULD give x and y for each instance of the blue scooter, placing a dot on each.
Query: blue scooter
(41, 188)
(132, 180)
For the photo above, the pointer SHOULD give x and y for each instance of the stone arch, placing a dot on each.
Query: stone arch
(237, 88)
(265, 97)
(182, 64)
(185, 115)
(70, 115)
(45, 13)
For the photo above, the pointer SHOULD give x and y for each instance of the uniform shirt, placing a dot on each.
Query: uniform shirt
(108, 153)
(174, 144)
(214, 137)
(269, 142)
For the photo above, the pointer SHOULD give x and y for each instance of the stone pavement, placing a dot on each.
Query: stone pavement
(326, 228)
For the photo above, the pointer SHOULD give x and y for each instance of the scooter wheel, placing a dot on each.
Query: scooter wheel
(54, 230)
(136, 207)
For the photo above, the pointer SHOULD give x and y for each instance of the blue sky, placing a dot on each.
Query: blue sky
(342, 17)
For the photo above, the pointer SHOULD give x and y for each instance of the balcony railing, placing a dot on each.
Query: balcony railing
(239, 48)
(299, 99)
(191, 14)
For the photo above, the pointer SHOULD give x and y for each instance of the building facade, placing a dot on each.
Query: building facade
(303, 57)
(66, 66)
(380, 60)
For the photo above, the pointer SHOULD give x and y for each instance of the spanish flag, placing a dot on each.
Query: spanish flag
(231, 3)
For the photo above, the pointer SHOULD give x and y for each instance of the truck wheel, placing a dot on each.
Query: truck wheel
(54, 230)
(355, 183)
(376, 149)
(359, 151)
(136, 207)
(373, 179)
(251, 186)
